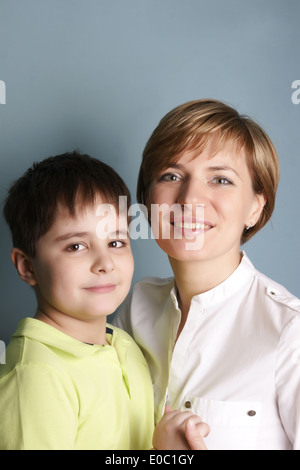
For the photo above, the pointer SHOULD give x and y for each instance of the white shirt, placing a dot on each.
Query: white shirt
(236, 363)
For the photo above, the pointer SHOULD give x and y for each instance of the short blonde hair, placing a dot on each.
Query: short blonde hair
(190, 126)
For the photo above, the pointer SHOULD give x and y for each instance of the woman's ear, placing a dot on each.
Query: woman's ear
(23, 265)
(260, 201)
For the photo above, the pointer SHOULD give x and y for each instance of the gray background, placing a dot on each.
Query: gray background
(97, 75)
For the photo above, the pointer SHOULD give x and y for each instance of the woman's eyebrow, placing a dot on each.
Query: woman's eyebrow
(178, 166)
(223, 168)
(175, 166)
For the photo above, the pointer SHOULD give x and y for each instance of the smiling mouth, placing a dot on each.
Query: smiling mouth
(191, 225)
(105, 289)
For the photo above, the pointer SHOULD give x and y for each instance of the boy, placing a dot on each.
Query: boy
(70, 381)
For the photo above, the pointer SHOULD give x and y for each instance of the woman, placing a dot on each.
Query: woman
(221, 339)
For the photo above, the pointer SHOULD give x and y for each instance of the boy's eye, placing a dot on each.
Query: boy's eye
(76, 247)
(117, 244)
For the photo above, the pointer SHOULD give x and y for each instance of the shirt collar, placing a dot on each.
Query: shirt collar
(48, 335)
(241, 276)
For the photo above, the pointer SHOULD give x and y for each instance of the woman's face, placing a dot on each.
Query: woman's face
(215, 191)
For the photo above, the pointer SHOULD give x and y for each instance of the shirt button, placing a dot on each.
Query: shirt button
(188, 404)
(251, 413)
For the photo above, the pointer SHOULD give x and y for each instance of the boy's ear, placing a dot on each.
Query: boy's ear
(23, 265)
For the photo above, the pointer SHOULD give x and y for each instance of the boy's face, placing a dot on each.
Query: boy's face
(79, 271)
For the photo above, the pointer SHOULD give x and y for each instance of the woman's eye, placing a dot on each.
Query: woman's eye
(221, 180)
(76, 247)
(169, 177)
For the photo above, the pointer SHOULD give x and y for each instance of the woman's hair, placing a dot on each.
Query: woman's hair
(190, 126)
(61, 181)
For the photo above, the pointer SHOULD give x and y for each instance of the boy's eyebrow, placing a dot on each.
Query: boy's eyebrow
(66, 236)
(118, 234)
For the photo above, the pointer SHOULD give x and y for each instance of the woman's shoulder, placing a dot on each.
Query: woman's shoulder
(275, 292)
(146, 299)
(153, 285)
(156, 281)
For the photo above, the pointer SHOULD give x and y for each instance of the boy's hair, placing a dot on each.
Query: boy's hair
(64, 180)
(190, 126)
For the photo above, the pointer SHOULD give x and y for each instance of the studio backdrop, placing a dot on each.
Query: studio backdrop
(98, 75)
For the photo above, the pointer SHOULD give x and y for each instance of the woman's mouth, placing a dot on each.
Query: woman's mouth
(194, 226)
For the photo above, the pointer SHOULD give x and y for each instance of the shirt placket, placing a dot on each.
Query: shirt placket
(180, 358)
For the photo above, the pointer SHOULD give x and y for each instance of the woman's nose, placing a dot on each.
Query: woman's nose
(192, 192)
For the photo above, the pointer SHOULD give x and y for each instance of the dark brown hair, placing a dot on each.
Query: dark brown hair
(64, 180)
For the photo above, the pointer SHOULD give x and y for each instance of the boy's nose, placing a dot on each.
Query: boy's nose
(103, 263)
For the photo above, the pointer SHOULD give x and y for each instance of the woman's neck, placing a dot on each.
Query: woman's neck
(196, 277)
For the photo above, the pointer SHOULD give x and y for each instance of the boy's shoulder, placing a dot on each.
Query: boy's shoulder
(31, 346)
(36, 343)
